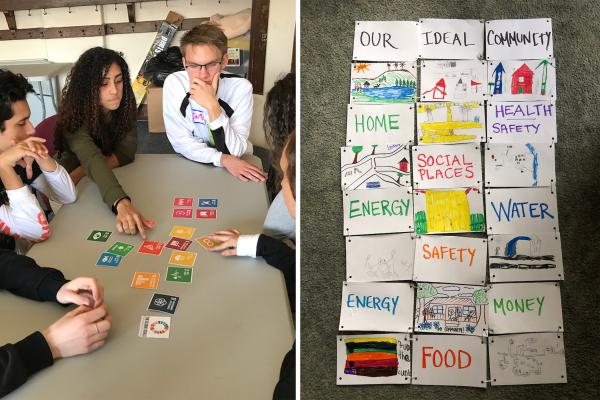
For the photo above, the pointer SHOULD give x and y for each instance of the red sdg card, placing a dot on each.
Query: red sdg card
(206, 213)
(183, 201)
(182, 213)
(149, 247)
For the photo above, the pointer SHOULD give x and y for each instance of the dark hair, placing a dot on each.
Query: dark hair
(80, 105)
(207, 33)
(290, 155)
(13, 88)
(280, 118)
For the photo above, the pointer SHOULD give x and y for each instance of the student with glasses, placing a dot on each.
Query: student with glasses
(207, 113)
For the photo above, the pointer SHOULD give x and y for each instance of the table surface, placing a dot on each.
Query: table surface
(36, 70)
(231, 328)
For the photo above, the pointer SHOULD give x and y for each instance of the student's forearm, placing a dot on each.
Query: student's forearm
(9, 177)
(77, 174)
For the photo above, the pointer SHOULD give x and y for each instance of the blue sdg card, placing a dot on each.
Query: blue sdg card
(109, 260)
(207, 202)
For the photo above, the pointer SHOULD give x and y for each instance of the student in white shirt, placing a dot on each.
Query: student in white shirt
(25, 164)
(207, 113)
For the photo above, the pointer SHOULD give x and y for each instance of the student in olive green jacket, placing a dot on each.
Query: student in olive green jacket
(96, 130)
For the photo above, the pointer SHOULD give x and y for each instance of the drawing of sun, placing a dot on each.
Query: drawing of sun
(361, 67)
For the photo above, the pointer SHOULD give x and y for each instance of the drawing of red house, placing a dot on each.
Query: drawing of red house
(403, 165)
(522, 79)
(439, 91)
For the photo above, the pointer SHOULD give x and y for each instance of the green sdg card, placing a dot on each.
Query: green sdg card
(120, 248)
(179, 274)
(99, 236)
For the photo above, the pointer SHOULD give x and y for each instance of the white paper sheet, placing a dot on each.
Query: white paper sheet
(521, 122)
(447, 122)
(386, 40)
(525, 257)
(522, 80)
(377, 306)
(378, 211)
(453, 80)
(448, 210)
(526, 359)
(383, 83)
(376, 166)
(524, 307)
(451, 39)
(450, 259)
(451, 308)
(380, 257)
(518, 39)
(442, 166)
(352, 370)
(519, 165)
(449, 360)
(521, 210)
(380, 123)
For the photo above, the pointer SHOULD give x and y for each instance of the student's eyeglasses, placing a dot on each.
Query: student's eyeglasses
(210, 67)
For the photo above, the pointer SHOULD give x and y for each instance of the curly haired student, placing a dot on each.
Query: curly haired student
(25, 165)
(96, 130)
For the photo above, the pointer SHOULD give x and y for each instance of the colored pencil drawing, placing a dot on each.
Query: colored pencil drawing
(449, 122)
(380, 166)
(519, 165)
(452, 80)
(525, 356)
(522, 79)
(456, 309)
(452, 210)
(383, 82)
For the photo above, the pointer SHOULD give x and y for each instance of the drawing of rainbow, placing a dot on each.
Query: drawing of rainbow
(371, 356)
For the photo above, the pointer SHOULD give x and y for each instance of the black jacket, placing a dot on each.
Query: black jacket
(23, 277)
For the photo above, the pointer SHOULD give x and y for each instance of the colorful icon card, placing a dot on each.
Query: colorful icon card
(109, 260)
(204, 213)
(373, 359)
(178, 244)
(155, 327)
(182, 213)
(150, 247)
(145, 280)
(99, 236)
(179, 274)
(375, 166)
(120, 248)
(207, 242)
(372, 258)
(184, 232)
(207, 203)
(163, 303)
(447, 308)
(449, 360)
(183, 258)
(377, 306)
(183, 202)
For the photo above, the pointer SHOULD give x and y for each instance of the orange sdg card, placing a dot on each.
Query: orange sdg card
(183, 232)
(183, 258)
(207, 243)
(145, 280)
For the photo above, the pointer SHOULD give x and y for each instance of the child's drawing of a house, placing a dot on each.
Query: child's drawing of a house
(453, 311)
(522, 80)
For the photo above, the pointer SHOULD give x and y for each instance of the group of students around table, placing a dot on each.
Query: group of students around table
(207, 115)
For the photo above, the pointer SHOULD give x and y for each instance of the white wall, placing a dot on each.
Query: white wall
(135, 46)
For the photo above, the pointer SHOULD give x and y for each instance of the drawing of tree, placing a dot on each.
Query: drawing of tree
(395, 65)
(477, 223)
(356, 150)
(401, 64)
(420, 222)
(480, 299)
(425, 291)
(389, 65)
(373, 146)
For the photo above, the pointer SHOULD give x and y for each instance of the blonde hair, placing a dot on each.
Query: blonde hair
(207, 33)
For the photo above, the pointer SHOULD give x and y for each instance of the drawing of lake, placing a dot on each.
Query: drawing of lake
(383, 83)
